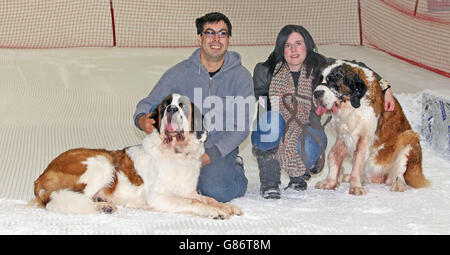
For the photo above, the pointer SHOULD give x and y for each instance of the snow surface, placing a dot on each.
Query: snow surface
(54, 100)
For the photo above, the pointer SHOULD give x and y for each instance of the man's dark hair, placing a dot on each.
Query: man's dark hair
(212, 17)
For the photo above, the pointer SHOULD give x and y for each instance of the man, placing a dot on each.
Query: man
(213, 74)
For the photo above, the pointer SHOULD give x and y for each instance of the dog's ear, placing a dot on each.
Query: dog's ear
(196, 118)
(197, 123)
(157, 117)
(358, 89)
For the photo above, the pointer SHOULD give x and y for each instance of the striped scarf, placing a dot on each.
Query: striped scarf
(295, 107)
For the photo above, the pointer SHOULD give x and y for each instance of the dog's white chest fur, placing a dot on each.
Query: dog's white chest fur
(162, 170)
(351, 124)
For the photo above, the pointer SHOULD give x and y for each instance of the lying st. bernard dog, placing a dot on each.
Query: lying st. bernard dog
(161, 174)
(382, 144)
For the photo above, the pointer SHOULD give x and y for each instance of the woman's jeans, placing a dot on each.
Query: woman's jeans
(270, 130)
(223, 179)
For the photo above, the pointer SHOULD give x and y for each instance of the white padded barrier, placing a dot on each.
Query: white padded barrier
(436, 121)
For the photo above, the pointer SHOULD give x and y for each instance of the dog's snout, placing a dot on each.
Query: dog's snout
(172, 109)
(318, 93)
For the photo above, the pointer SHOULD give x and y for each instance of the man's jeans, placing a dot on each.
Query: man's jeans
(270, 130)
(223, 179)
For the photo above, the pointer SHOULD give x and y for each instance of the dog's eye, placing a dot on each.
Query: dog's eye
(180, 105)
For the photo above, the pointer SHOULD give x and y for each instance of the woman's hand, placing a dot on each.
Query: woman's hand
(389, 101)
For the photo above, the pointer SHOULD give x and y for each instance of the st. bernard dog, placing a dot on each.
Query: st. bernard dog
(382, 145)
(161, 174)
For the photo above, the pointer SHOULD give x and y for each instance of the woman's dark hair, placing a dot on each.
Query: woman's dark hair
(212, 17)
(312, 60)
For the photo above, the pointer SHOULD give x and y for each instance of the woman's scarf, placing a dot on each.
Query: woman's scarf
(295, 107)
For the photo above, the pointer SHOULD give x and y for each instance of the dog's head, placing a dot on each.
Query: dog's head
(341, 83)
(178, 121)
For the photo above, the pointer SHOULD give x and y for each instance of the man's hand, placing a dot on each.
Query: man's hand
(389, 101)
(205, 159)
(146, 123)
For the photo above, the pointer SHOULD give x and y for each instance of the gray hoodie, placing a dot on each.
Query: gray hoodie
(233, 80)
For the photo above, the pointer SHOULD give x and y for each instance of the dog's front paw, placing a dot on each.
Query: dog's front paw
(215, 213)
(233, 210)
(357, 191)
(327, 184)
(105, 207)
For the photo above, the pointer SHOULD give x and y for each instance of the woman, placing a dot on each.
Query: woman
(289, 134)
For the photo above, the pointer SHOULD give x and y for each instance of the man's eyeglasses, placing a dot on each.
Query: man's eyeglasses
(211, 33)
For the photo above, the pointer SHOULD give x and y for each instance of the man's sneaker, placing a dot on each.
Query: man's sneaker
(240, 161)
(271, 193)
(298, 183)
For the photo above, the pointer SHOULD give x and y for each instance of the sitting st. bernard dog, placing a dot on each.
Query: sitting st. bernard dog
(383, 147)
(161, 174)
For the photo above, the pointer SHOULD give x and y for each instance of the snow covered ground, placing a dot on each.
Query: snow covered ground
(54, 100)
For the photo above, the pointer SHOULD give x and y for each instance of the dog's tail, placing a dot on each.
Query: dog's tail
(36, 202)
(414, 176)
(42, 195)
(70, 202)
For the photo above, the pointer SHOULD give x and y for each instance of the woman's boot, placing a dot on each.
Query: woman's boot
(269, 172)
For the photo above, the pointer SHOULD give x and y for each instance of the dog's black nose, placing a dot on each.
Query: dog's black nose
(318, 93)
(172, 109)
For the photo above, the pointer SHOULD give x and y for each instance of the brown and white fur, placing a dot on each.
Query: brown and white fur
(161, 174)
(382, 145)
